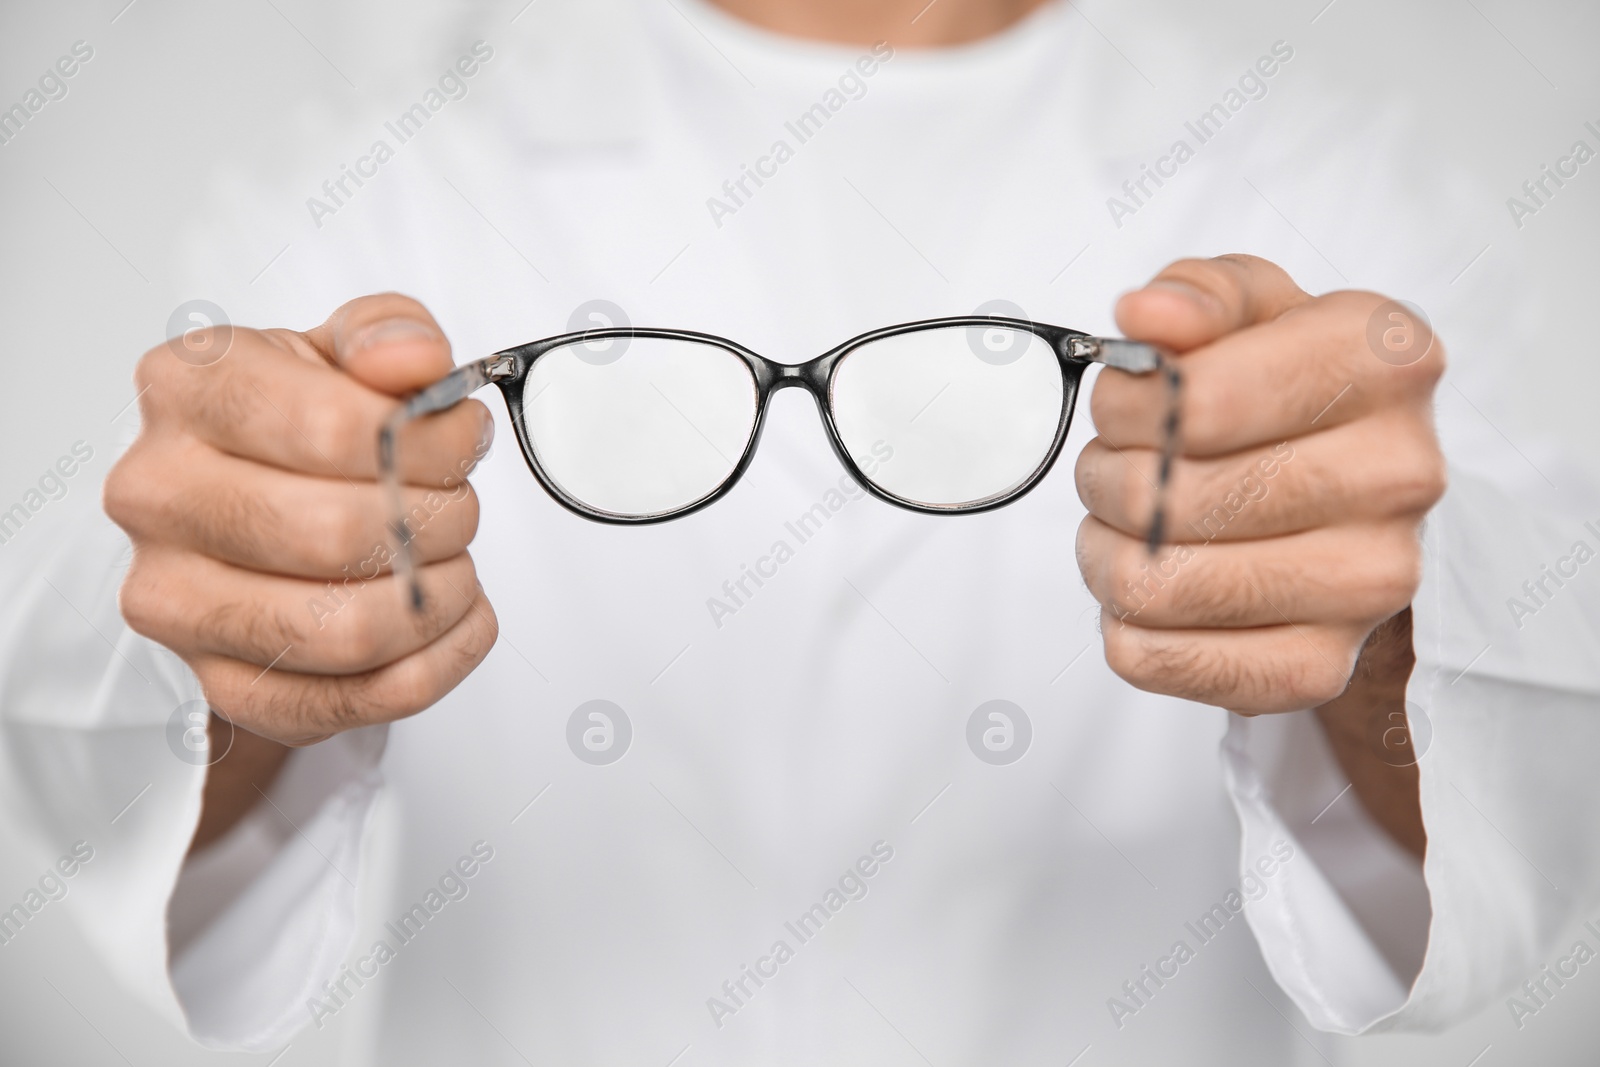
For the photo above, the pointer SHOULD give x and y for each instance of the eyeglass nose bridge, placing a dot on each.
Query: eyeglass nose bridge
(811, 376)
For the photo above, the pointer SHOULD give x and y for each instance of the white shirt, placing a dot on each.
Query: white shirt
(809, 754)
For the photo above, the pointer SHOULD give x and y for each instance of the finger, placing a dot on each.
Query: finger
(1383, 467)
(273, 402)
(300, 709)
(267, 519)
(1331, 575)
(197, 606)
(1251, 672)
(1304, 371)
(1195, 301)
(387, 342)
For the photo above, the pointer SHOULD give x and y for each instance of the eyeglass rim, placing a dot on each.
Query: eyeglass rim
(816, 376)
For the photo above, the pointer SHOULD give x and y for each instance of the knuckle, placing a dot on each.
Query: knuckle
(279, 630)
(219, 686)
(261, 634)
(345, 703)
(1129, 588)
(1432, 368)
(1082, 550)
(1312, 680)
(1399, 574)
(1106, 482)
(124, 495)
(331, 432)
(1206, 599)
(1112, 405)
(467, 513)
(336, 536)
(1205, 507)
(1317, 685)
(1421, 482)
(1435, 475)
(1134, 501)
(1122, 652)
(440, 612)
(1216, 495)
(1102, 407)
(234, 520)
(230, 400)
(141, 598)
(475, 641)
(357, 641)
(1086, 475)
(152, 368)
(396, 691)
(490, 631)
(1202, 414)
(1176, 667)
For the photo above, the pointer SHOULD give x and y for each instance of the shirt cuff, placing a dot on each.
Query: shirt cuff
(263, 916)
(1340, 911)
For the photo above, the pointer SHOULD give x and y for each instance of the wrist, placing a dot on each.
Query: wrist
(235, 783)
(1377, 689)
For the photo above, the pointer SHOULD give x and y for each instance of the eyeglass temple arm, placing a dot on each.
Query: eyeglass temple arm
(1136, 357)
(443, 394)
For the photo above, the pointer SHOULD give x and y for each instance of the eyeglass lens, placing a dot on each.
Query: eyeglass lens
(639, 426)
(968, 414)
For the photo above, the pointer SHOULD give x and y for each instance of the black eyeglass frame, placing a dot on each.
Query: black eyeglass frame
(509, 368)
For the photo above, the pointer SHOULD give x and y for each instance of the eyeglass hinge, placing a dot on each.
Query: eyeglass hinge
(498, 368)
(1115, 352)
(1081, 348)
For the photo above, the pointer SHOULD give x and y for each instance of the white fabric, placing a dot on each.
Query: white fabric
(828, 713)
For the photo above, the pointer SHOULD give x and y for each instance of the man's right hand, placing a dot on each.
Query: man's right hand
(260, 539)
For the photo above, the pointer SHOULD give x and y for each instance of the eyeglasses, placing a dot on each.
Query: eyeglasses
(634, 426)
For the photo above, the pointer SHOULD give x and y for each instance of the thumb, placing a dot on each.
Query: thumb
(387, 342)
(1196, 301)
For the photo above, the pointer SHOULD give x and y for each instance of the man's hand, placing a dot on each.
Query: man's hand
(260, 543)
(1306, 465)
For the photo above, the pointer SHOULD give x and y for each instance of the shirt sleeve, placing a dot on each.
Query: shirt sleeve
(97, 745)
(1504, 709)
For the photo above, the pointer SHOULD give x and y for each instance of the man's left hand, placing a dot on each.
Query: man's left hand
(1307, 461)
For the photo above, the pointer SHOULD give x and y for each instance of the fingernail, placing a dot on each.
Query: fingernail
(1187, 291)
(388, 331)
